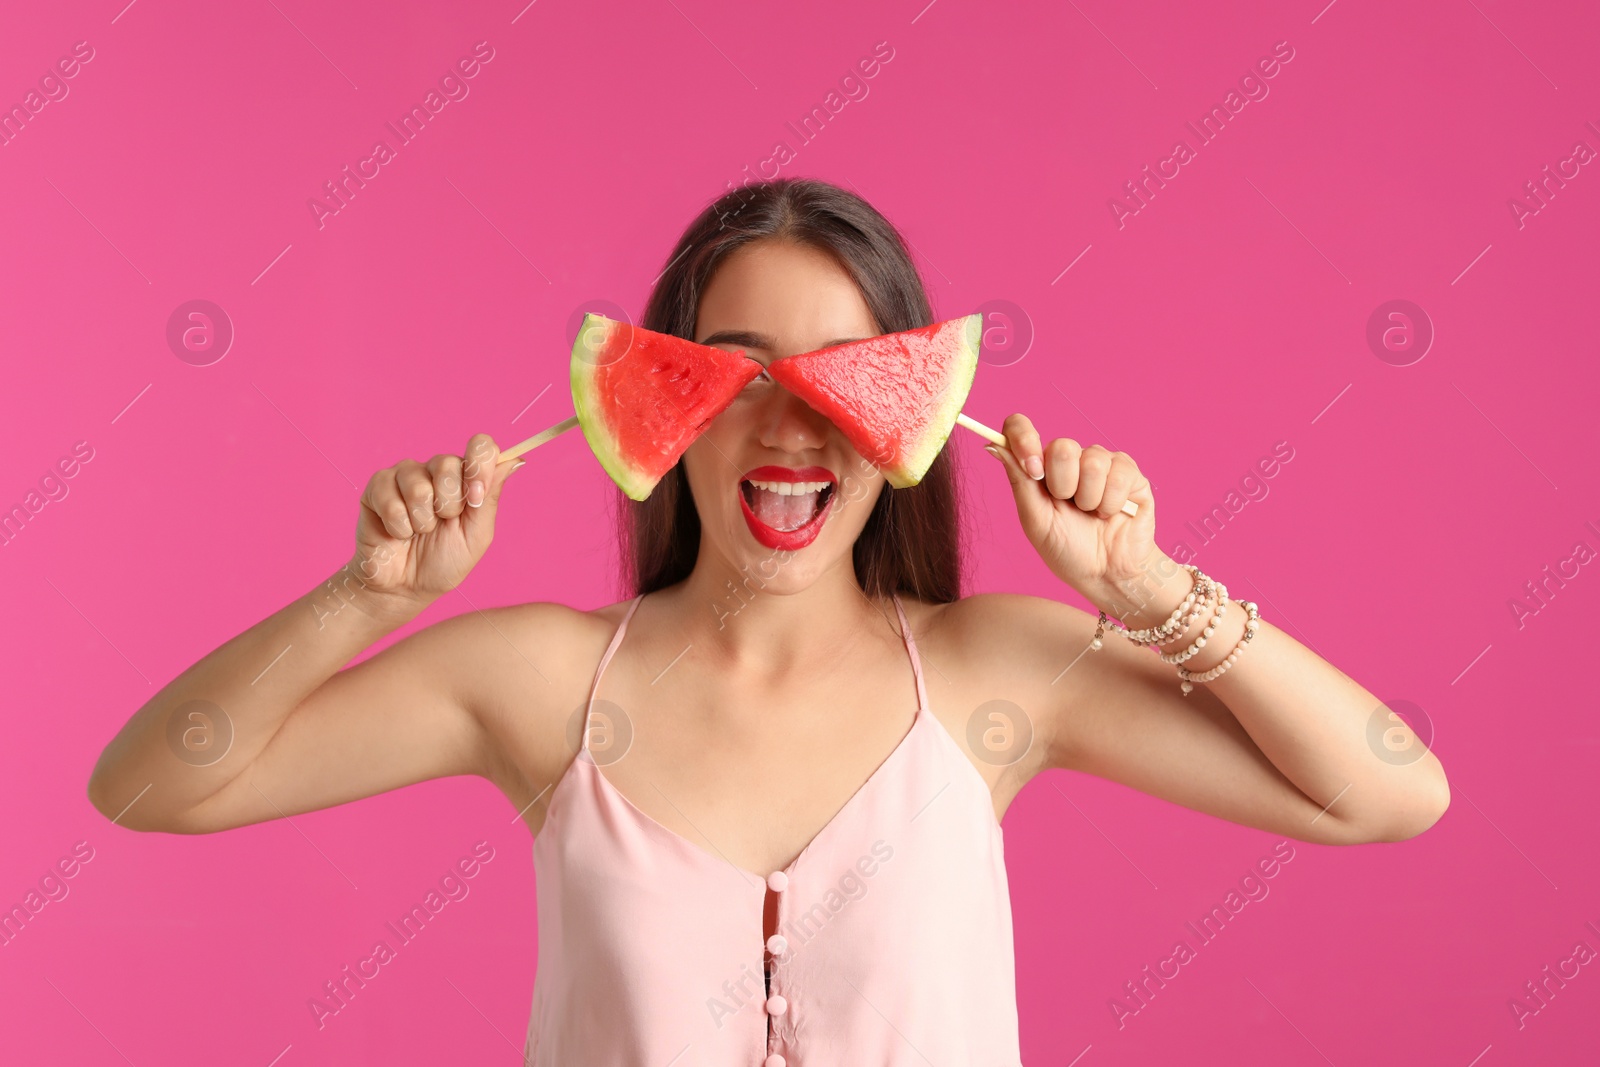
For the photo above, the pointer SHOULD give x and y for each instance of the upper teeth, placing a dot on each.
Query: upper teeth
(790, 488)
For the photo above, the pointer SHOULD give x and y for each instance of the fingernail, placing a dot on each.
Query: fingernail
(993, 451)
(1035, 467)
(475, 494)
(518, 465)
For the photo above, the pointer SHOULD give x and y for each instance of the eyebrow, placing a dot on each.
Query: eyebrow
(751, 339)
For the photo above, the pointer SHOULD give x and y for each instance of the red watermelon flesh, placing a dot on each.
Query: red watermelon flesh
(643, 397)
(895, 397)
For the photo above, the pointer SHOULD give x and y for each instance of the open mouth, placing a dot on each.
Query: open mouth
(786, 508)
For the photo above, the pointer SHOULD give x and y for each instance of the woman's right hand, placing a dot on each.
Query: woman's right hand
(420, 532)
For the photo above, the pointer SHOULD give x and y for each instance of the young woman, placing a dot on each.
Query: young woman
(767, 822)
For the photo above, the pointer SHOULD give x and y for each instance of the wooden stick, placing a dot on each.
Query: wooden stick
(996, 437)
(539, 438)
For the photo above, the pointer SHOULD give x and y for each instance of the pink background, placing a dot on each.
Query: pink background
(1227, 315)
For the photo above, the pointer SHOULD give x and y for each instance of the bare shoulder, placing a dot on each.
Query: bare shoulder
(529, 667)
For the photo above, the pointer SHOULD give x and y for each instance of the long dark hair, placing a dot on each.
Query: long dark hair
(912, 540)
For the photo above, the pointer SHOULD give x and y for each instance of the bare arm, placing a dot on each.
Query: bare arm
(269, 725)
(1282, 748)
(1282, 741)
(1298, 714)
(278, 688)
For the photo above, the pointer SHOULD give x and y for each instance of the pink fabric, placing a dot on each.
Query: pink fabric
(897, 919)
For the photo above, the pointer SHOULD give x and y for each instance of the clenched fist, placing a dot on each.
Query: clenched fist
(423, 527)
(1069, 500)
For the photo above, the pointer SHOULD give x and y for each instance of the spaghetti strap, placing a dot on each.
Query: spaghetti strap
(911, 647)
(594, 686)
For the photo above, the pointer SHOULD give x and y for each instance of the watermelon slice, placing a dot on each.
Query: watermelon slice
(896, 396)
(643, 397)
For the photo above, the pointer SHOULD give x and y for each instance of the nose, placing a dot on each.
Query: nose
(788, 424)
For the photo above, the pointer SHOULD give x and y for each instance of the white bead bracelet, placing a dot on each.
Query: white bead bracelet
(1204, 593)
(1182, 615)
(1221, 602)
(1251, 622)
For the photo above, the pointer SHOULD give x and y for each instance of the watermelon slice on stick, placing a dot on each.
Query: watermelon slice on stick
(896, 397)
(642, 398)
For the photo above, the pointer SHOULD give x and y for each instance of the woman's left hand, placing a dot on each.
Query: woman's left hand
(1071, 510)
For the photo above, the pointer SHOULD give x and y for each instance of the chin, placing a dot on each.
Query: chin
(779, 570)
(783, 571)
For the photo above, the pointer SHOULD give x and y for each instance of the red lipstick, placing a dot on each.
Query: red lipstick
(788, 540)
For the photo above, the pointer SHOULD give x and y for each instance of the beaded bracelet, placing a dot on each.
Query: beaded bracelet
(1100, 630)
(1251, 623)
(1204, 592)
(1182, 615)
(1176, 658)
(1212, 594)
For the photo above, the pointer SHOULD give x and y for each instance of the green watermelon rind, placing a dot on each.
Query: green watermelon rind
(964, 368)
(586, 402)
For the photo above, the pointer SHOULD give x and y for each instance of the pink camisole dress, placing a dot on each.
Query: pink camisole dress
(893, 943)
